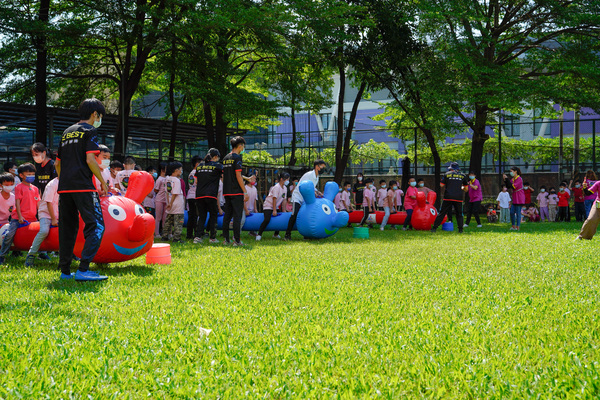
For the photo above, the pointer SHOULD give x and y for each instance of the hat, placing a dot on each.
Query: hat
(454, 166)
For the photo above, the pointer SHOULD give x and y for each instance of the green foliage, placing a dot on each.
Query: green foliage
(258, 157)
(438, 322)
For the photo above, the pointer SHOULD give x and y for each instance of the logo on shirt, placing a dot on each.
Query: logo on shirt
(191, 180)
(126, 182)
(169, 187)
(10, 209)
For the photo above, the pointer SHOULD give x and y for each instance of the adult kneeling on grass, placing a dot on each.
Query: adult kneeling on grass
(588, 230)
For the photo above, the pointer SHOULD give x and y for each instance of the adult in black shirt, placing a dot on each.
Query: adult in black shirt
(357, 191)
(456, 185)
(234, 190)
(76, 166)
(44, 166)
(208, 175)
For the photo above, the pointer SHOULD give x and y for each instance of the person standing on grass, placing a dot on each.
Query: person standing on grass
(276, 198)
(579, 200)
(503, 200)
(455, 183)
(44, 166)
(527, 191)
(76, 165)
(552, 205)
(298, 200)
(410, 202)
(175, 203)
(590, 198)
(368, 204)
(208, 181)
(542, 199)
(234, 190)
(160, 199)
(475, 197)
(588, 230)
(515, 183)
(563, 203)
(192, 225)
(357, 191)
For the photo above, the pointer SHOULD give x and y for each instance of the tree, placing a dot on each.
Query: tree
(497, 52)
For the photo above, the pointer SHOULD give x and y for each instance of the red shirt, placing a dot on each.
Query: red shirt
(578, 194)
(527, 195)
(563, 199)
(29, 196)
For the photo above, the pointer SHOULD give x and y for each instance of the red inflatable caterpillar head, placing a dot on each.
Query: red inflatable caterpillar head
(128, 229)
(425, 213)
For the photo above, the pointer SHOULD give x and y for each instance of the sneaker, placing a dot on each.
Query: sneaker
(276, 237)
(404, 228)
(465, 226)
(213, 241)
(480, 226)
(433, 230)
(460, 231)
(287, 238)
(29, 260)
(252, 233)
(197, 240)
(67, 277)
(43, 256)
(238, 244)
(258, 237)
(226, 242)
(382, 229)
(89, 276)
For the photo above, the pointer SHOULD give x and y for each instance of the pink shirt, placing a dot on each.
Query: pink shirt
(336, 200)
(518, 196)
(381, 197)
(123, 179)
(191, 194)
(149, 200)
(161, 195)
(342, 199)
(542, 199)
(593, 195)
(368, 197)
(409, 203)
(6, 207)
(252, 195)
(107, 178)
(173, 187)
(475, 194)
(30, 197)
(552, 199)
(50, 196)
(276, 192)
(399, 194)
(596, 190)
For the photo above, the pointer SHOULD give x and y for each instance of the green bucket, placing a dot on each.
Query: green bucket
(361, 233)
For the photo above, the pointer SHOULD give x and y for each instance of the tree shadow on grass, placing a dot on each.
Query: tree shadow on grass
(120, 269)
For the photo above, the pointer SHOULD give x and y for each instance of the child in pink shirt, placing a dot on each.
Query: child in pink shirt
(175, 203)
(48, 214)
(399, 194)
(368, 203)
(276, 199)
(250, 205)
(27, 198)
(410, 202)
(542, 199)
(7, 197)
(389, 204)
(381, 194)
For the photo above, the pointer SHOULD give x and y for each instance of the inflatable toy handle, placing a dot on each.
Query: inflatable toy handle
(24, 224)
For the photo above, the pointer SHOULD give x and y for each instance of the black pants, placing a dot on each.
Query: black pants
(267, 218)
(446, 207)
(365, 215)
(562, 214)
(204, 206)
(473, 209)
(192, 222)
(234, 208)
(293, 217)
(580, 211)
(408, 218)
(70, 207)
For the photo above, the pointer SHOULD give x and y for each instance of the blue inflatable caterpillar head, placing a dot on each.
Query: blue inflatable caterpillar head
(318, 218)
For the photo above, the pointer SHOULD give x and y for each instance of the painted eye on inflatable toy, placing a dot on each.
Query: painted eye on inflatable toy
(139, 210)
(432, 211)
(326, 209)
(117, 212)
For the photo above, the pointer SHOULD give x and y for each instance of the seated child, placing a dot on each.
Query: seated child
(48, 214)
(7, 197)
(492, 216)
(531, 213)
(27, 198)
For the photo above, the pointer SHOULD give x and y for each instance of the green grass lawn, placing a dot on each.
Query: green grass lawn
(486, 314)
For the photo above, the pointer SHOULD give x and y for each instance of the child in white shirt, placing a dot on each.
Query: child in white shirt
(175, 203)
(504, 201)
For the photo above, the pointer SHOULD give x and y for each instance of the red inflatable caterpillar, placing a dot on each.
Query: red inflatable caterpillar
(129, 230)
(424, 214)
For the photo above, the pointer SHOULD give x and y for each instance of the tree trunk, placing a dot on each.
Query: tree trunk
(340, 164)
(122, 132)
(208, 122)
(41, 64)
(293, 154)
(479, 138)
(437, 162)
(221, 131)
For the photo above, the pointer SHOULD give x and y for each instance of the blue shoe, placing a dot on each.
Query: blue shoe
(29, 260)
(43, 256)
(89, 276)
(67, 277)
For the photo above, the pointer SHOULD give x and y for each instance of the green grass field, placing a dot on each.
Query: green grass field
(486, 314)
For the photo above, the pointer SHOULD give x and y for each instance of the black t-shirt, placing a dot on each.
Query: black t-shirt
(358, 189)
(231, 164)
(75, 174)
(43, 175)
(454, 182)
(207, 179)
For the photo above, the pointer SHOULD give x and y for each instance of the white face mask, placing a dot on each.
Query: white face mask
(8, 189)
(383, 186)
(97, 123)
(542, 190)
(286, 183)
(38, 159)
(360, 178)
(105, 164)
